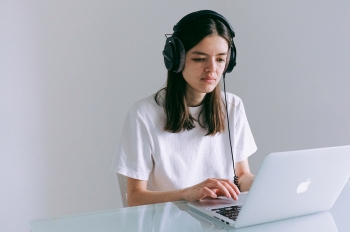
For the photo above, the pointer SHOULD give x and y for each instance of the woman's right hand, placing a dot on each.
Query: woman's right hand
(212, 187)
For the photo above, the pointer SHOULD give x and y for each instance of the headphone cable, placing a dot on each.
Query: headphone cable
(229, 133)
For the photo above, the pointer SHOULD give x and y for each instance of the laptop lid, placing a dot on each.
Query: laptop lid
(295, 183)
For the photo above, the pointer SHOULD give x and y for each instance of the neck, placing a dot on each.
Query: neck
(194, 99)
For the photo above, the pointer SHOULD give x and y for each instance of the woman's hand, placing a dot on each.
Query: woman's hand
(211, 187)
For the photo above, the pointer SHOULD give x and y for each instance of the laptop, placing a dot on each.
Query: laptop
(320, 222)
(287, 185)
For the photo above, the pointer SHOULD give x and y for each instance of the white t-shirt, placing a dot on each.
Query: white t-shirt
(178, 160)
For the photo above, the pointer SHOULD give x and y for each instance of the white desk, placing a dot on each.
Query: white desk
(178, 217)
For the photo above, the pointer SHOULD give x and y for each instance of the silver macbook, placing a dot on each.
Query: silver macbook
(288, 184)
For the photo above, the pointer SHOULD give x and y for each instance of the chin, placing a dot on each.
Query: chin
(209, 89)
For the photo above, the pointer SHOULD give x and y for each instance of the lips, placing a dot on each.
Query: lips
(209, 79)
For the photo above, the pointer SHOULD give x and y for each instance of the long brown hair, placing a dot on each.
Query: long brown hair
(178, 116)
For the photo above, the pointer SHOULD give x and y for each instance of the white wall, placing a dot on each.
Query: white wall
(293, 73)
(69, 71)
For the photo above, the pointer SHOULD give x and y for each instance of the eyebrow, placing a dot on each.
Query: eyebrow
(203, 53)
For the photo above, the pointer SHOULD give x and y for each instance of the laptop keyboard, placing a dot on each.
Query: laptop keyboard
(231, 212)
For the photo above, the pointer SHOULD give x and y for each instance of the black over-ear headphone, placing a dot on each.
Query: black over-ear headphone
(174, 51)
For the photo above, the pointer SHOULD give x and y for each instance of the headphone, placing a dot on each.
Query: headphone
(174, 51)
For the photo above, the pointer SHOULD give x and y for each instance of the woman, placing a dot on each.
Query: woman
(176, 145)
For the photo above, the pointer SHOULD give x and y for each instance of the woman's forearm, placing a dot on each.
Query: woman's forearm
(245, 181)
(144, 197)
(212, 187)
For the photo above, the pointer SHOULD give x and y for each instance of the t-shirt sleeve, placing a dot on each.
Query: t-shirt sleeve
(243, 140)
(133, 157)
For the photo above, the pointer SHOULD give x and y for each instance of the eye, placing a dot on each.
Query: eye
(198, 59)
(221, 60)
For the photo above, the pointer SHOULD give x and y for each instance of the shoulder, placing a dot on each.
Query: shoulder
(233, 101)
(145, 106)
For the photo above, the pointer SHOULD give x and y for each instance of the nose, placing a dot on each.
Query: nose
(210, 66)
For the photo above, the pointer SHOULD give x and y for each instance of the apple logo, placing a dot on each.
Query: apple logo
(303, 186)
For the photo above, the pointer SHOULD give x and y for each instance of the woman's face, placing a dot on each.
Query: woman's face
(204, 66)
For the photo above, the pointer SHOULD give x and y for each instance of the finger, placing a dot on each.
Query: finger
(205, 191)
(230, 187)
(223, 186)
(220, 187)
(233, 186)
(232, 190)
(218, 193)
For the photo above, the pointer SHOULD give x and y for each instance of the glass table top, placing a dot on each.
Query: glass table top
(176, 216)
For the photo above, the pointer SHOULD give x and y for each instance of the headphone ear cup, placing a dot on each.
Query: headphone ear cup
(174, 54)
(231, 63)
(181, 55)
(169, 53)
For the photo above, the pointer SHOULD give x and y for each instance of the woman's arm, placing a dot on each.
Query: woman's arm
(139, 195)
(245, 178)
(212, 187)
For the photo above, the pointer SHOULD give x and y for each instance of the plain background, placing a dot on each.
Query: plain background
(70, 70)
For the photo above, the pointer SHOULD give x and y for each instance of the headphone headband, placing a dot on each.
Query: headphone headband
(202, 14)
